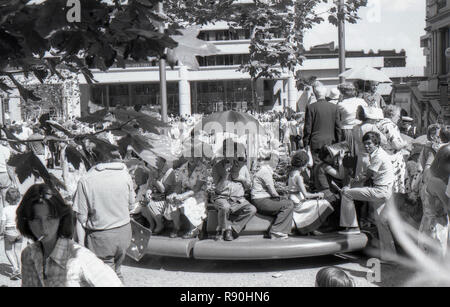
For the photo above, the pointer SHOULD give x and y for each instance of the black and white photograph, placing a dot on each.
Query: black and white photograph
(223, 149)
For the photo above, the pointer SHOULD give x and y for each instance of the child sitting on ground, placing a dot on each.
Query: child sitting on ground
(13, 239)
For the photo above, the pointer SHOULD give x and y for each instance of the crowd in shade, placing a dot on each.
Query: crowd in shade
(336, 167)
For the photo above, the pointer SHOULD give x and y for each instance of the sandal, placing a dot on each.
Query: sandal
(191, 234)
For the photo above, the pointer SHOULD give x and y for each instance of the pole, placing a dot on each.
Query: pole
(341, 34)
(162, 74)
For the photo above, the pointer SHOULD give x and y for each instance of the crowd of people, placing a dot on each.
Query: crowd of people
(338, 166)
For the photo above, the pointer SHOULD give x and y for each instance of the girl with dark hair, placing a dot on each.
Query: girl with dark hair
(436, 204)
(333, 277)
(310, 209)
(54, 260)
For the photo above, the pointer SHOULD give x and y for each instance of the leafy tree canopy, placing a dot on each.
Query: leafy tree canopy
(265, 20)
(37, 38)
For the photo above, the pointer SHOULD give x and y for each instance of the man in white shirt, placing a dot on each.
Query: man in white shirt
(377, 193)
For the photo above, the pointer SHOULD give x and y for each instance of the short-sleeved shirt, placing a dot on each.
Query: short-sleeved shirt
(69, 265)
(262, 179)
(104, 197)
(224, 186)
(347, 112)
(9, 216)
(5, 153)
(380, 164)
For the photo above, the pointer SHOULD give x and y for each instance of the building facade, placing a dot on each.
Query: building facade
(218, 85)
(430, 99)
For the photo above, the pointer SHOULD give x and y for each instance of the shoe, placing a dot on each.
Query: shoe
(219, 235)
(350, 231)
(173, 234)
(191, 234)
(15, 275)
(278, 235)
(228, 235)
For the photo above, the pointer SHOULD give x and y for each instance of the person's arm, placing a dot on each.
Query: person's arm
(2, 223)
(337, 125)
(307, 129)
(340, 173)
(395, 138)
(131, 192)
(80, 207)
(95, 272)
(29, 275)
(306, 194)
(267, 179)
(245, 178)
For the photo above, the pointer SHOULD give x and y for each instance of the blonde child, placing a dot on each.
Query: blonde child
(13, 239)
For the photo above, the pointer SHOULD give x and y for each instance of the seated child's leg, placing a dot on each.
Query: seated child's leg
(149, 216)
(223, 208)
(10, 254)
(175, 215)
(18, 251)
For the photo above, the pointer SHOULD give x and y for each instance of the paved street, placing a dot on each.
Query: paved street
(173, 272)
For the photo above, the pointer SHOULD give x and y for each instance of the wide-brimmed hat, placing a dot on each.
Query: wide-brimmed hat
(334, 94)
(373, 113)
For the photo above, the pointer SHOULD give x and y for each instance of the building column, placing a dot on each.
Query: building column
(184, 92)
(292, 93)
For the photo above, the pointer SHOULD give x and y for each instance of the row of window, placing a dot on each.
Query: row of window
(223, 60)
(206, 96)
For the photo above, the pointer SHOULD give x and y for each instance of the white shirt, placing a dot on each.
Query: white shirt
(5, 153)
(347, 112)
(9, 216)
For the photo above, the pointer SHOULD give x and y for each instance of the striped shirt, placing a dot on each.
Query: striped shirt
(69, 265)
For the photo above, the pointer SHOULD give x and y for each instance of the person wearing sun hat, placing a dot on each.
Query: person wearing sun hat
(334, 96)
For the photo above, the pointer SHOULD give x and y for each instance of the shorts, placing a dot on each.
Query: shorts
(12, 235)
(5, 182)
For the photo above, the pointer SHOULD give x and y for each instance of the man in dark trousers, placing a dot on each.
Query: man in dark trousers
(321, 124)
(102, 205)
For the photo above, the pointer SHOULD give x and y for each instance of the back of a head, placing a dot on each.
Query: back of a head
(392, 112)
(444, 134)
(320, 92)
(433, 132)
(440, 166)
(333, 277)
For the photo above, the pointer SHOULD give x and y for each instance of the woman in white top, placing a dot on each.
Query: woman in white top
(13, 239)
(310, 209)
(347, 109)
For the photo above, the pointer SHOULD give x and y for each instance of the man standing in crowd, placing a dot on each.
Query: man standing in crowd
(38, 147)
(102, 204)
(321, 123)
